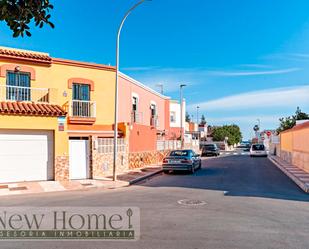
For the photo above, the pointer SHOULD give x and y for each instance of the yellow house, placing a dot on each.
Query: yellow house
(49, 118)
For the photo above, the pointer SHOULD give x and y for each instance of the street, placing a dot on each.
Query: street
(244, 203)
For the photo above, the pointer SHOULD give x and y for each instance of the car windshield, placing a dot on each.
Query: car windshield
(210, 146)
(258, 147)
(179, 153)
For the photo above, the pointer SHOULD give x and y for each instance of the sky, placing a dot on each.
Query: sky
(241, 60)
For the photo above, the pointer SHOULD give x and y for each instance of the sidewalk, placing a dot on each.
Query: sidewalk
(300, 177)
(123, 180)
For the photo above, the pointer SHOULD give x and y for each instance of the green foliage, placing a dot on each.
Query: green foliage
(203, 120)
(188, 119)
(19, 13)
(231, 131)
(289, 122)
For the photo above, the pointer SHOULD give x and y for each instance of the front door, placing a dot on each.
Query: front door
(79, 159)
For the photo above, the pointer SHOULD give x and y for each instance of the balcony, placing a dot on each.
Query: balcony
(136, 117)
(25, 94)
(154, 121)
(82, 112)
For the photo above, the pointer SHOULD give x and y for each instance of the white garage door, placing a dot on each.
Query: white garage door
(26, 155)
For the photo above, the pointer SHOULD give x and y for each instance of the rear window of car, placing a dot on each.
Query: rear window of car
(179, 153)
(258, 147)
(210, 146)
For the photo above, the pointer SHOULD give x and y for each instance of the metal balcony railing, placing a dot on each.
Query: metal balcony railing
(137, 117)
(83, 109)
(20, 93)
(154, 121)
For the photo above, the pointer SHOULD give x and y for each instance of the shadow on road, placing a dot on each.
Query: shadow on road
(236, 176)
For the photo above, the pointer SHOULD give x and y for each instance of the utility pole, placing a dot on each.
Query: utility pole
(197, 109)
(116, 86)
(181, 114)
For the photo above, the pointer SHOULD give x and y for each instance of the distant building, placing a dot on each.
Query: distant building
(175, 119)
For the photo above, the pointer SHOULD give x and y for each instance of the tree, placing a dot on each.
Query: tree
(18, 14)
(188, 119)
(231, 131)
(203, 120)
(290, 121)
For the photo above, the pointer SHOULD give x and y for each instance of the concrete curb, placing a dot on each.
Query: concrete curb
(24, 188)
(304, 186)
(145, 177)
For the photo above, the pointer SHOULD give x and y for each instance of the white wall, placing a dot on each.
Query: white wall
(175, 107)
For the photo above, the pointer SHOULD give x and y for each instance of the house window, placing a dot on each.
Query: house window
(153, 115)
(81, 92)
(134, 104)
(153, 110)
(173, 117)
(135, 117)
(18, 86)
(81, 106)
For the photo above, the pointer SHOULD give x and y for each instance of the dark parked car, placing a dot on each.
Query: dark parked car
(182, 160)
(247, 148)
(210, 150)
(244, 146)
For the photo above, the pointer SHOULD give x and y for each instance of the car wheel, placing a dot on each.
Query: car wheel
(166, 171)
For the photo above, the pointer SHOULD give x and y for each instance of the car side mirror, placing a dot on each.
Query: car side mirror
(197, 155)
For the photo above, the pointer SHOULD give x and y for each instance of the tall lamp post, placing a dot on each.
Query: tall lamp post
(197, 109)
(181, 114)
(259, 123)
(116, 86)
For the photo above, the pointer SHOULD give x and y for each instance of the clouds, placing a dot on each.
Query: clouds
(209, 72)
(140, 68)
(243, 119)
(276, 97)
(254, 73)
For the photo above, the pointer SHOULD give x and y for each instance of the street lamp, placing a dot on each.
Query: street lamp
(259, 123)
(116, 86)
(181, 114)
(161, 87)
(197, 109)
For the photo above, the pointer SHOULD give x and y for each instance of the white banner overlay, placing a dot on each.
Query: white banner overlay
(69, 223)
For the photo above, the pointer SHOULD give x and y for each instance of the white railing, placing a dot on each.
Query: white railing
(19, 93)
(83, 109)
(106, 145)
(154, 121)
(168, 145)
(137, 117)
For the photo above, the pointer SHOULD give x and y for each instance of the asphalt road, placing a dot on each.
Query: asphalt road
(249, 204)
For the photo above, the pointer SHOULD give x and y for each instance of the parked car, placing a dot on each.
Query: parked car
(258, 150)
(182, 160)
(210, 149)
(247, 148)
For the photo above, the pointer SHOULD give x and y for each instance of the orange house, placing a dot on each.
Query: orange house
(56, 118)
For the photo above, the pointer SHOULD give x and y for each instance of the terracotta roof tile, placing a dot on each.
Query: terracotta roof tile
(28, 55)
(31, 109)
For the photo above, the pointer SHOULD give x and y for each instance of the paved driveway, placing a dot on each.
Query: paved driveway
(249, 204)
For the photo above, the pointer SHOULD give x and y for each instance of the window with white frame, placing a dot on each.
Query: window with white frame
(173, 117)
(153, 115)
(135, 114)
(153, 110)
(18, 86)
